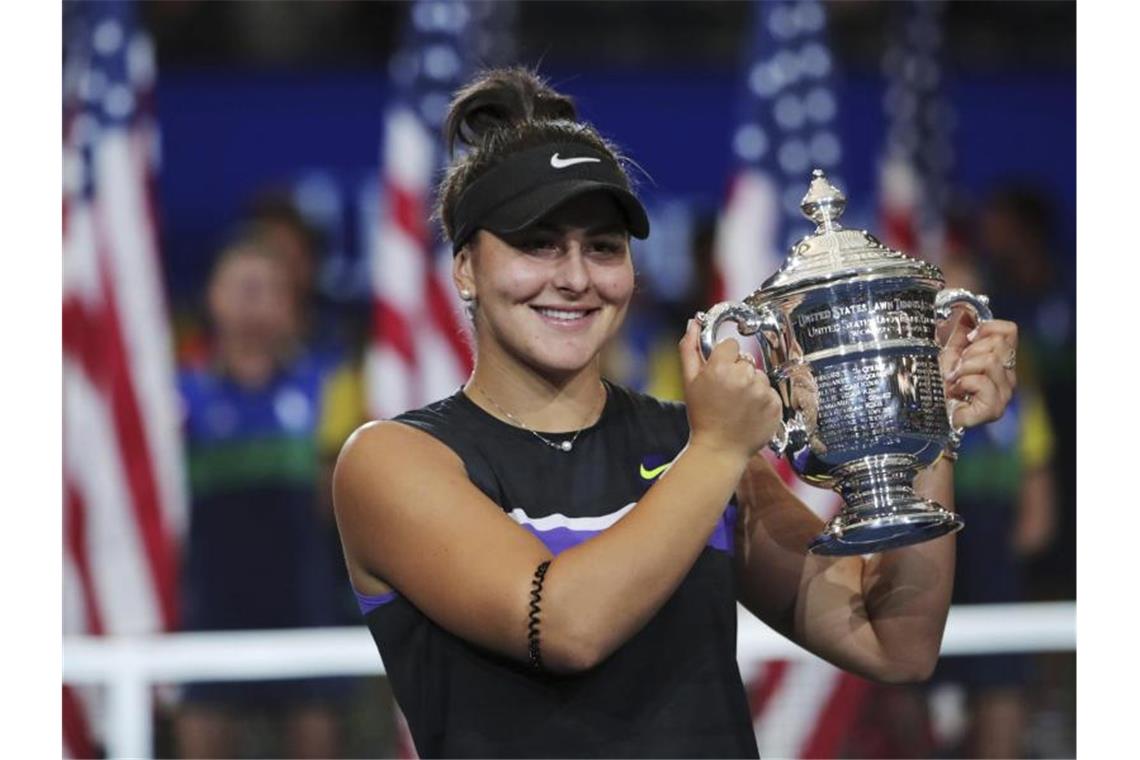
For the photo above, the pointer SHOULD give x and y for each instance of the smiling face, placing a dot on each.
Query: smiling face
(551, 296)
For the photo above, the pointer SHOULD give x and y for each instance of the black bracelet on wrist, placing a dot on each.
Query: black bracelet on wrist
(535, 609)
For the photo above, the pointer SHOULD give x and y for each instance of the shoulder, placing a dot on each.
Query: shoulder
(386, 451)
(437, 416)
(383, 441)
(649, 410)
(426, 430)
(453, 421)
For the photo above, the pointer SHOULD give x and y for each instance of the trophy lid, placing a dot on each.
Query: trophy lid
(833, 252)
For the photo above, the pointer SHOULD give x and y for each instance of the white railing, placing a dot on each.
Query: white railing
(130, 666)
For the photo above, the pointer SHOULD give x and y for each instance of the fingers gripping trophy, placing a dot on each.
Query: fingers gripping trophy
(847, 334)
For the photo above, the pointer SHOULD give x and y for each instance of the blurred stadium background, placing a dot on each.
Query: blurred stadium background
(951, 126)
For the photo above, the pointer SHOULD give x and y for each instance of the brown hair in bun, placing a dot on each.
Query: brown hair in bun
(499, 112)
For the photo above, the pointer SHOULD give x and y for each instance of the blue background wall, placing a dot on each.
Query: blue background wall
(227, 133)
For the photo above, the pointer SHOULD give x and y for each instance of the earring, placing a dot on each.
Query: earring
(465, 294)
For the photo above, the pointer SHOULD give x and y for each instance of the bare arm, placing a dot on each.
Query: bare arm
(881, 617)
(409, 516)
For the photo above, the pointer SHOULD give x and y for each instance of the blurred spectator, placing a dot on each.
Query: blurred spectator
(331, 337)
(1025, 266)
(333, 331)
(1004, 488)
(326, 326)
(257, 557)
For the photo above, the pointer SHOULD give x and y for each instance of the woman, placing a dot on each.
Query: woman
(549, 563)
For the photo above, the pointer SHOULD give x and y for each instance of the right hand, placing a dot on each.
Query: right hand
(731, 405)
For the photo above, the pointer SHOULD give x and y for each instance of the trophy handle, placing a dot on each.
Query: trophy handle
(749, 321)
(944, 303)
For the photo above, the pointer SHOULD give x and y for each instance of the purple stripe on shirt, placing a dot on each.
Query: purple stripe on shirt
(560, 539)
(368, 603)
(721, 537)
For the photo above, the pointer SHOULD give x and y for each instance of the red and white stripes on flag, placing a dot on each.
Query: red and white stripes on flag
(747, 249)
(419, 352)
(124, 503)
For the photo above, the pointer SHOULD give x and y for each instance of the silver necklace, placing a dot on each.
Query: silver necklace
(559, 445)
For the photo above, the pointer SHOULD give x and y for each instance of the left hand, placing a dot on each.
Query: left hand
(976, 371)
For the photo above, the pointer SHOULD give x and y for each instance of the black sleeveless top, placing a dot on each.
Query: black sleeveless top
(672, 690)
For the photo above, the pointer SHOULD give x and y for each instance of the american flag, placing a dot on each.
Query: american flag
(124, 504)
(913, 173)
(786, 127)
(419, 352)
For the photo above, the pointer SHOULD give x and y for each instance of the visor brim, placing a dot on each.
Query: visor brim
(527, 209)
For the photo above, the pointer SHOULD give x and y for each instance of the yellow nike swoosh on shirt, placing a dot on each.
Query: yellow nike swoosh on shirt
(651, 474)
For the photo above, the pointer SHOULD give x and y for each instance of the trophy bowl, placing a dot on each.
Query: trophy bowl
(846, 329)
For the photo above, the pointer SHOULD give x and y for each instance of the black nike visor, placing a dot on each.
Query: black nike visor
(528, 185)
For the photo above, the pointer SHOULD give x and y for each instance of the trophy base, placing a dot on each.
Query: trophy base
(848, 534)
(881, 509)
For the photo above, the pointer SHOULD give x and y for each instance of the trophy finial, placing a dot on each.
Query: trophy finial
(824, 202)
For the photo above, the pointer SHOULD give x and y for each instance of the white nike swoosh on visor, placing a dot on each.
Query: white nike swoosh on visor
(562, 163)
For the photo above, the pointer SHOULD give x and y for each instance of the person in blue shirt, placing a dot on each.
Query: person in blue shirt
(257, 556)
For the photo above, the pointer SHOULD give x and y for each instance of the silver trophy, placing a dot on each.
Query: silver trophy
(846, 329)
